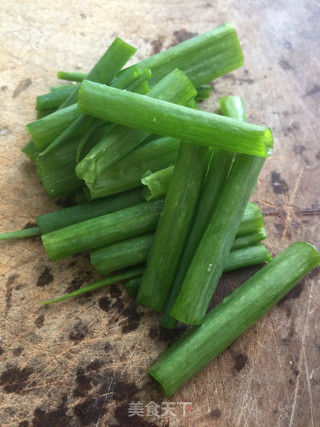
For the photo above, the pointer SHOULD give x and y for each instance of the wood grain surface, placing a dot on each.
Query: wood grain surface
(81, 363)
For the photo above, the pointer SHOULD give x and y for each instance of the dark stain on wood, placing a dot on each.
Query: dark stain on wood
(215, 413)
(30, 225)
(17, 351)
(15, 379)
(89, 411)
(104, 304)
(285, 65)
(279, 185)
(181, 36)
(313, 91)
(313, 210)
(157, 44)
(75, 284)
(83, 384)
(53, 418)
(168, 336)
(299, 149)
(39, 321)
(133, 319)
(9, 283)
(23, 85)
(107, 347)
(45, 277)
(115, 292)
(280, 228)
(240, 361)
(79, 332)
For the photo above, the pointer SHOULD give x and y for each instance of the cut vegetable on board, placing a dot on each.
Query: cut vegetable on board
(161, 192)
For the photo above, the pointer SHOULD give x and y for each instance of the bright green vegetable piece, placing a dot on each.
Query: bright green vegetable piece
(156, 184)
(209, 258)
(165, 118)
(203, 58)
(126, 172)
(174, 88)
(103, 230)
(108, 66)
(235, 314)
(129, 80)
(72, 76)
(132, 286)
(94, 286)
(219, 168)
(64, 217)
(174, 225)
(135, 251)
(203, 92)
(20, 234)
(46, 130)
(54, 99)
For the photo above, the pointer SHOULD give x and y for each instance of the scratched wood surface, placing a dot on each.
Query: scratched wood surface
(82, 362)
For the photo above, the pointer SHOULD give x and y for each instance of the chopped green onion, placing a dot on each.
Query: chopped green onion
(46, 130)
(244, 257)
(132, 286)
(174, 225)
(20, 234)
(132, 78)
(94, 286)
(203, 58)
(219, 168)
(209, 258)
(72, 76)
(54, 99)
(60, 87)
(249, 239)
(44, 113)
(156, 184)
(30, 149)
(103, 230)
(175, 87)
(108, 66)
(64, 217)
(56, 169)
(164, 118)
(252, 255)
(123, 254)
(236, 313)
(203, 92)
(126, 172)
(129, 252)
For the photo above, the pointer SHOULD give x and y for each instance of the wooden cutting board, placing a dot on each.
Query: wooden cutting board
(82, 362)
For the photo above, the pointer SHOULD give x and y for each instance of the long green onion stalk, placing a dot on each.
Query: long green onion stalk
(236, 313)
(175, 88)
(102, 230)
(209, 258)
(126, 173)
(167, 119)
(216, 178)
(132, 273)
